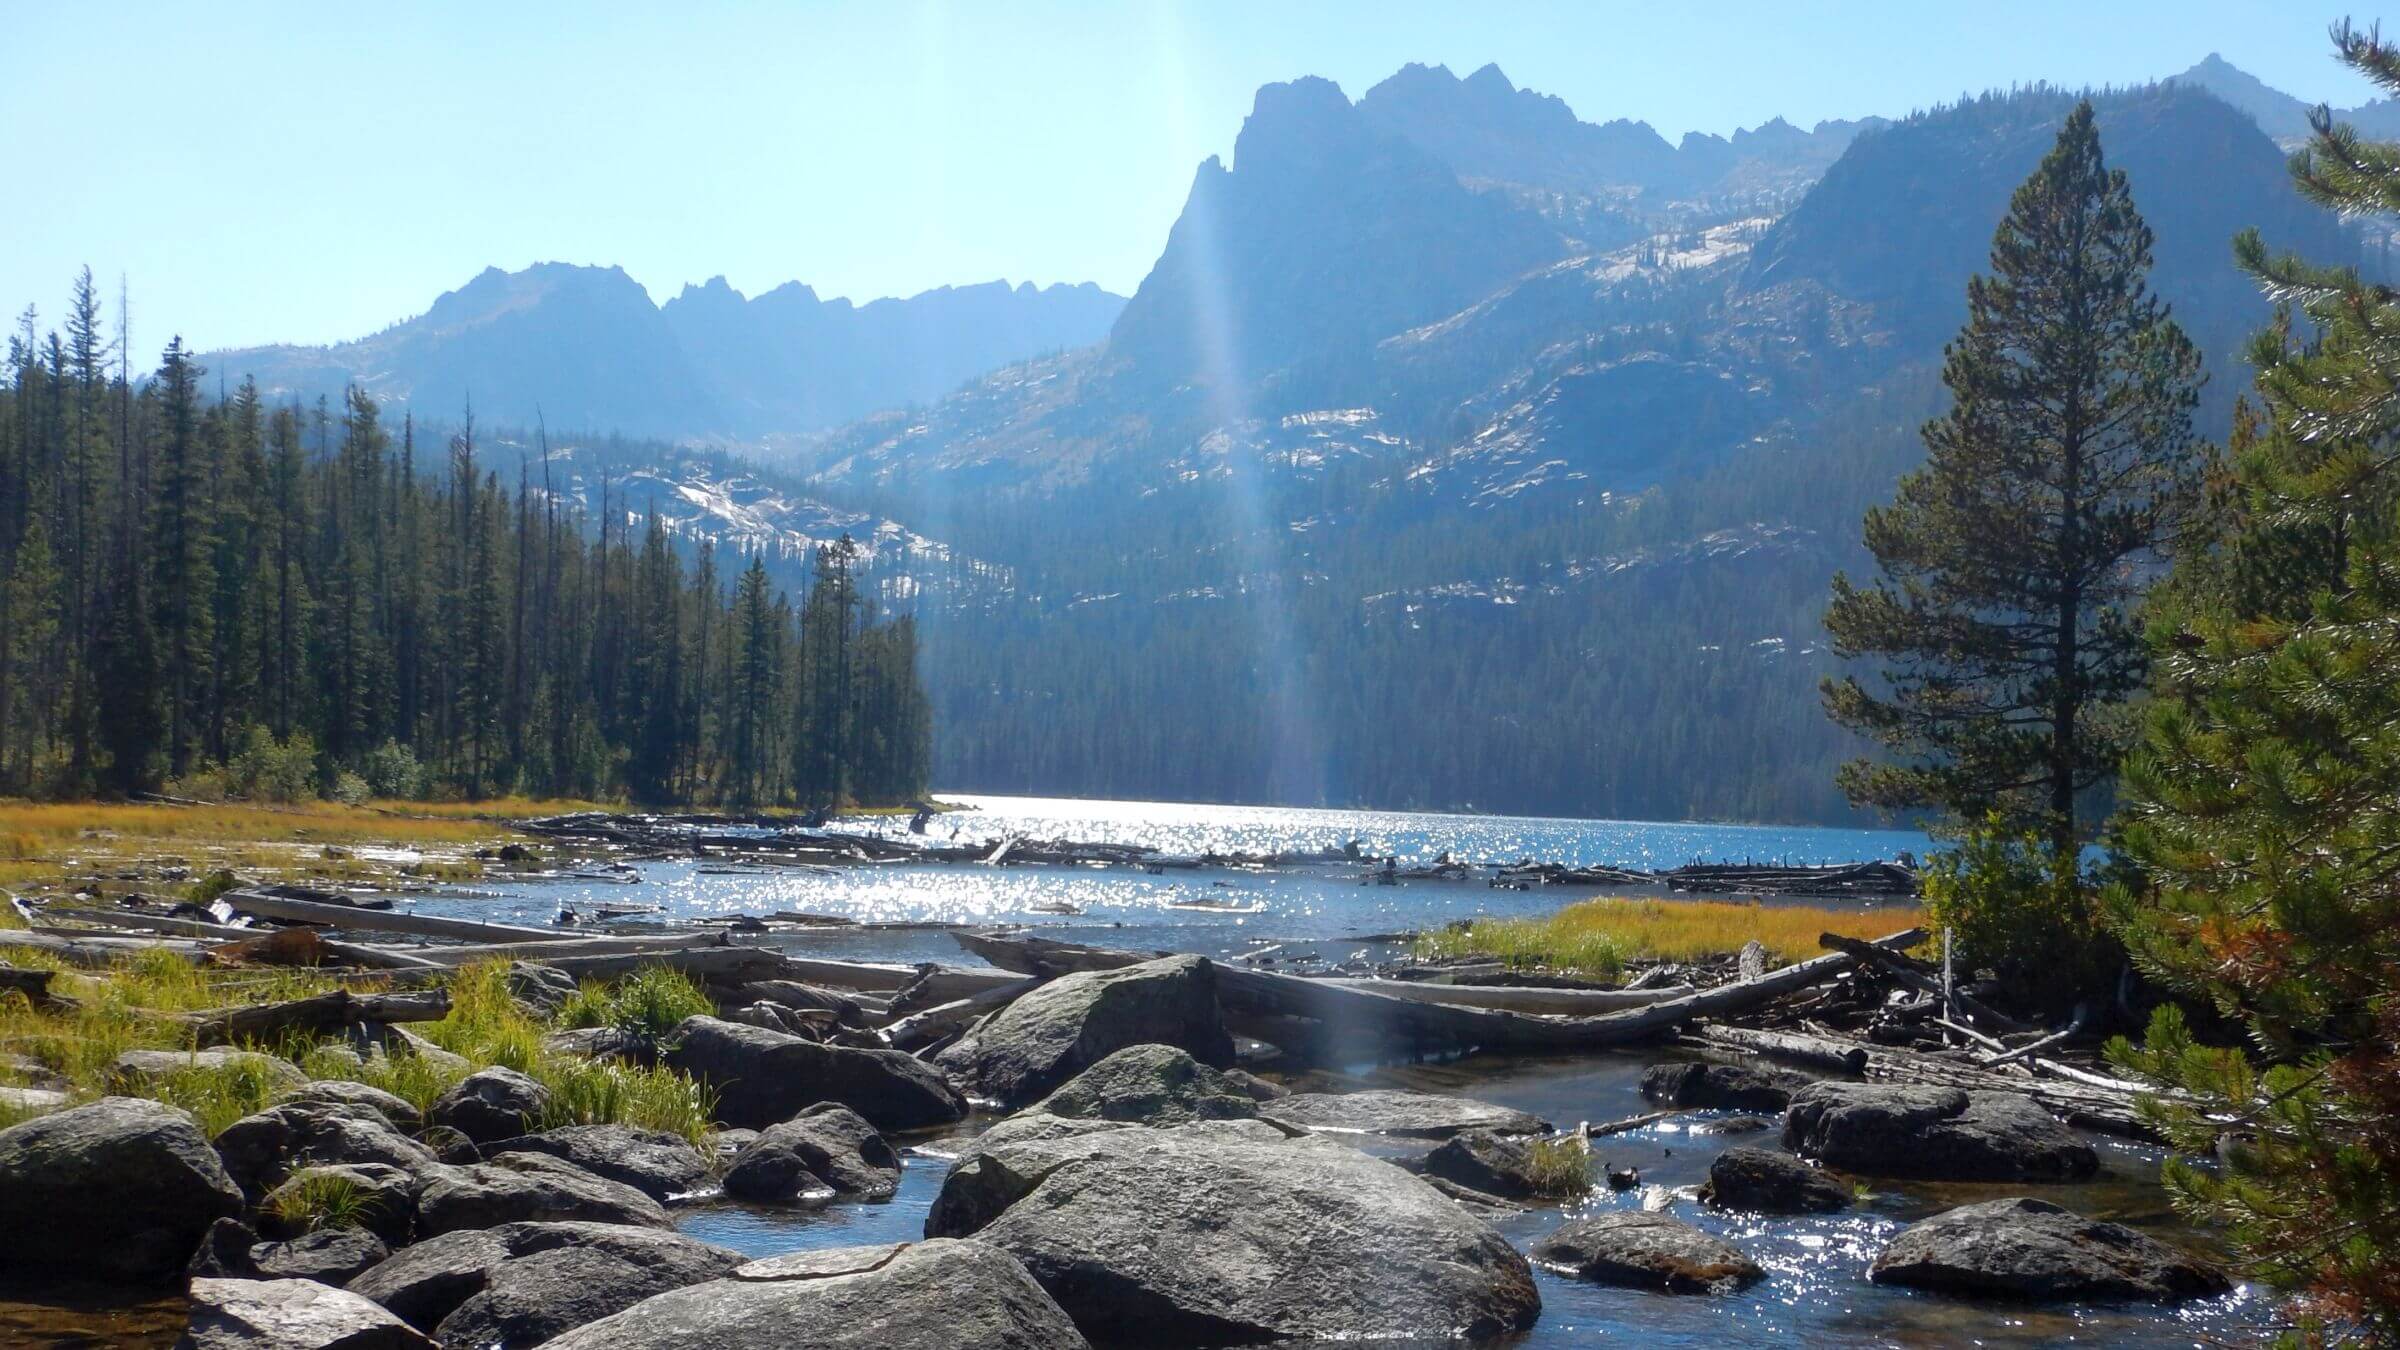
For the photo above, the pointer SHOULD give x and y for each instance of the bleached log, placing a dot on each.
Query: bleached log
(557, 946)
(86, 948)
(381, 920)
(1815, 1052)
(1517, 998)
(921, 1029)
(149, 923)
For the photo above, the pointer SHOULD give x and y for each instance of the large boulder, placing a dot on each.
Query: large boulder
(120, 1187)
(541, 990)
(1230, 1232)
(465, 1287)
(1032, 1046)
(1419, 1115)
(141, 1070)
(764, 1077)
(342, 1092)
(897, 1296)
(525, 1187)
(1771, 1183)
(827, 1151)
(657, 1163)
(491, 1104)
(332, 1256)
(1646, 1251)
(1731, 1087)
(1937, 1134)
(260, 1151)
(1151, 1085)
(290, 1315)
(2032, 1249)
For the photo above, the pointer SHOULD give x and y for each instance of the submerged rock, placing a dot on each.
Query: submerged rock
(1937, 1134)
(1423, 1115)
(1230, 1232)
(1151, 1085)
(764, 1077)
(826, 1148)
(1731, 1087)
(2032, 1249)
(518, 1187)
(1772, 1183)
(1034, 1045)
(1647, 1251)
(931, 1295)
(290, 1315)
(120, 1187)
(522, 1283)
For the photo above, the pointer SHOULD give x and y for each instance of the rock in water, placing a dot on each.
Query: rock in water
(527, 1187)
(1151, 1085)
(2032, 1249)
(1647, 1251)
(1938, 1134)
(1421, 1115)
(654, 1162)
(121, 1187)
(763, 1077)
(825, 1148)
(491, 1104)
(1771, 1183)
(1032, 1046)
(1229, 1232)
(1732, 1087)
(290, 1315)
(930, 1295)
(523, 1283)
(1488, 1162)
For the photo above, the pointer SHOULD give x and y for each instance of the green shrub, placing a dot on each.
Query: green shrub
(391, 770)
(655, 1000)
(349, 789)
(212, 885)
(1561, 1167)
(315, 1199)
(2014, 910)
(268, 770)
(586, 1092)
(218, 1095)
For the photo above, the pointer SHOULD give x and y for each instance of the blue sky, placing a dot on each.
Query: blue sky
(265, 172)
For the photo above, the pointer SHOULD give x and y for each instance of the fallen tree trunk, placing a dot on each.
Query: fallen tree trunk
(1907, 972)
(557, 946)
(150, 923)
(1517, 998)
(318, 1014)
(381, 921)
(1349, 1020)
(1815, 1052)
(85, 948)
(918, 1030)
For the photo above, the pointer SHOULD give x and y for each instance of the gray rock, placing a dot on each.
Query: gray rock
(224, 1252)
(766, 1077)
(341, 1092)
(825, 1148)
(490, 1104)
(1938, 1134)
(520, 1187)
(141, 1070)
(261, 1150)
(387, 1199)
(1487, 1163)
(655, 1162)
(332, 1256)
(436, 1285)
(1228, 1232)
(2032, 1249)
(1734, 1125)
(542, 990)
(774, 1017)
(290, 1315)
(1421, 1115)
(120, 1187)
(899, 1296)
(1641, 1250)
(1771, 1183)
(1151, 1085)
(1032, 1046)
(1732, 1087)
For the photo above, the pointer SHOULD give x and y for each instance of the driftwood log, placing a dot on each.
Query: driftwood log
(919, 1030)
(380, 921)
(82, 947)
(1914, 975)
(318, 1014)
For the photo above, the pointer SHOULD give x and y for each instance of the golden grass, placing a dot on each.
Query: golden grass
(1597, 937)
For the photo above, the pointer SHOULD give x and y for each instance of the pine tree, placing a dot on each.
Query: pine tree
(2266, 797)
(2012, 561)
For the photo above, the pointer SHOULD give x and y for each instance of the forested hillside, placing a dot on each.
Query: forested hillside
(232, 595)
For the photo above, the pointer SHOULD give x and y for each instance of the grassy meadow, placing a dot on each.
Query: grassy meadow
(1600, 937)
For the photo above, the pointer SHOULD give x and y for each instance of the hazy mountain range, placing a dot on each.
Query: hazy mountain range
(1456, 451)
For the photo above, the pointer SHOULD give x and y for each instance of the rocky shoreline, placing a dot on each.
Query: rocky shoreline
(1144, 1189)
